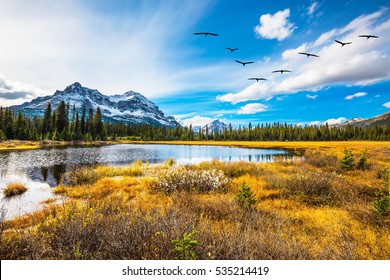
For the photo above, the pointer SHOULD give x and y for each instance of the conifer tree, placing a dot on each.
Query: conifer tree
(90, 128)
(62, 121)
(98, 124)
(46, 126)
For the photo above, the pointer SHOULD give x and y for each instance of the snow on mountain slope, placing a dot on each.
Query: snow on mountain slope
(130, 107)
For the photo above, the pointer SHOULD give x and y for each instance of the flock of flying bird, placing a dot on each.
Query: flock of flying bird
(281, 71)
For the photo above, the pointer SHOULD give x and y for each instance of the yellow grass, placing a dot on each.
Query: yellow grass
(14, 189)
(123, 215)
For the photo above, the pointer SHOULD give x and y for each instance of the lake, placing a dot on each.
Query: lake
(39, 170)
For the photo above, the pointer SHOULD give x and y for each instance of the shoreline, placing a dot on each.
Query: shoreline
(16, 145)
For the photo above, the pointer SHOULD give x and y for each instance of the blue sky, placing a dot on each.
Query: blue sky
(148, 46)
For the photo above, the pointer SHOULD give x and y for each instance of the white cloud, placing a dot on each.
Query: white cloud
(358, 94)
(312, 8)
(196, 121)
(364, 62)
(376, 96)
(252, 108)
(335, 121)
(387, 105)
(13, 91)
(311, 96)
(315, 123)
(254, 91)
(52, 44)
(275, 26)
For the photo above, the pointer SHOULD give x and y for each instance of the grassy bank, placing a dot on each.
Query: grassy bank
(311, 208)
(319, 145)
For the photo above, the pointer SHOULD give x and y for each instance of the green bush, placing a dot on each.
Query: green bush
(185, 246)
(347, 162)
(245, 197)
(363, 163)
(382, 202)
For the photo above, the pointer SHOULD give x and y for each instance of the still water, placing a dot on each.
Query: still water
(39, 170)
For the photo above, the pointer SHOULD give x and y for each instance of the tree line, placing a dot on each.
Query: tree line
(62, 123)
(65, 123)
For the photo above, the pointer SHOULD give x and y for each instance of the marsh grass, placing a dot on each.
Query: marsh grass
(304, 209)
(88, 175)
(14, 189)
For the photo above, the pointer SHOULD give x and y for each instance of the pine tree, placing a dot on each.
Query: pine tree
(62, 121)
(46, 126)
(89, 125)
(83, 127)
(347, 162)
(19, 127)
(98, 124)
(77, 129)
(245, 197)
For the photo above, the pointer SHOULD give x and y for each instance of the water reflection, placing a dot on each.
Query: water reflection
(48, 165)
(39, 170)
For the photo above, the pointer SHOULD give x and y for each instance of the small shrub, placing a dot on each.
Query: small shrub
(185, 246)
(347, 162)
(310, 183)
(382, 202)
(170, 162)
(84, 175)
(14, 189)
(77, 253)
(230, 169)
(198, 181)
(319, 159)
(245, 197)
(363, 163)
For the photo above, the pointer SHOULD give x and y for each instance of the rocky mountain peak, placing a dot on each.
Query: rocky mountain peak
(129, 107)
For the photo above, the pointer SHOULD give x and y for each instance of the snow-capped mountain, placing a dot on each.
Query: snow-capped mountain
(130, 107)
(216, 125)
(212, 126)
(381, 120)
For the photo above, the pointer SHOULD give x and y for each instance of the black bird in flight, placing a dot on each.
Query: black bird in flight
(243, 63)
(368, 36)
(281, 71)
(342, 44)
(205, 33)
(257, 79)
(232, 50)
(308, 54)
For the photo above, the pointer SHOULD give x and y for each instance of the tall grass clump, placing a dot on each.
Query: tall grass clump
(230, 169)
(316, 185)
(321, 159)
(196, 181)
(84, 175)
(14, 189)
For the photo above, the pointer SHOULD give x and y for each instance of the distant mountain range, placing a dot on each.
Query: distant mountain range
(129, 107)
(133, 107)
(381, 120)
(212, 126)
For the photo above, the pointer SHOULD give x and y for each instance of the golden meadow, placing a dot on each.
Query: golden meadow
(333, 203)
